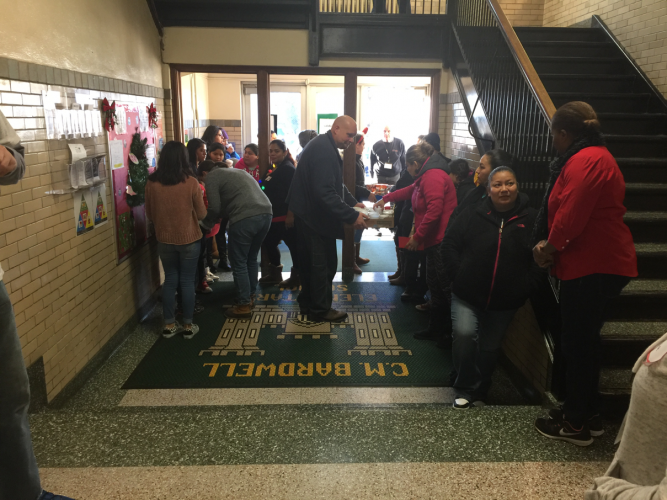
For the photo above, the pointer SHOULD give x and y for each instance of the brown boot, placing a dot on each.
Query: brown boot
(239, 311)
(400, 266)
(273, 275)
(294, 281)
(360, 261)
(356, 268)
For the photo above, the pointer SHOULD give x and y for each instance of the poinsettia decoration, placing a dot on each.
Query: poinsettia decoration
(152, 116)
(109, 111)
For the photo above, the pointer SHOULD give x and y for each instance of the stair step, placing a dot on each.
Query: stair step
(641, 300)
(647, 146)
(647, 227)
(643, 169)
(645, 330)
(568, 48)
(581, 65)
(619, 102)
(636, 123)
(529, 34)
(616, 380)
(589, 83)
(645, 196)
(652, 260)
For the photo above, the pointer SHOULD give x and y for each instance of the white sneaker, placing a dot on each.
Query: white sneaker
(210, 277)
(188, 333)
(461, 404)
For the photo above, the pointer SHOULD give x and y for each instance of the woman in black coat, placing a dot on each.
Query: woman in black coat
(276, 186)
(488, 256)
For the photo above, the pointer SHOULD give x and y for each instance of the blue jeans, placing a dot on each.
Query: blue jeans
(19, 476)
(180, 265)
(245, 240)
(358, 233)
(478, 336)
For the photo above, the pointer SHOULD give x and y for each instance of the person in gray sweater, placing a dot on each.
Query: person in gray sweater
(19, 475)
(235, 194)
(639, 469)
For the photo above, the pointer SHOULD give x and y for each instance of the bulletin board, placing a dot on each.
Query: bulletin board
(131, 223)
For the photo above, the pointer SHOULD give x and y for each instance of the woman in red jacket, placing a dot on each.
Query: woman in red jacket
(433, 196)
(582, 235)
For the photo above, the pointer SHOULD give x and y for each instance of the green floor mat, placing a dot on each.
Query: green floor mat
(382, 255)
(278, 348)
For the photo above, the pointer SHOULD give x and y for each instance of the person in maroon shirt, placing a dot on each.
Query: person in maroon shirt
(584, 240)
(433, 198)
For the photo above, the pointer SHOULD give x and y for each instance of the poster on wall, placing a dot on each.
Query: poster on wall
(325, 122)
(83, 212)
(99, 198)
(131, 223)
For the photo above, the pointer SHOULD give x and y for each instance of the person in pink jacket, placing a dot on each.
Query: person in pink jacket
(433, 196)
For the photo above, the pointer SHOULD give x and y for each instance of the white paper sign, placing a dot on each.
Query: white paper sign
(116, 154)
(150, 155)
(78, 151)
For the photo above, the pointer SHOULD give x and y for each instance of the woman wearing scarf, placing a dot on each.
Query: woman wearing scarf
(583, 238)
(433, 198)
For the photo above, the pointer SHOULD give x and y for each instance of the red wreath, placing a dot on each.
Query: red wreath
(109, 114)
(152, 116)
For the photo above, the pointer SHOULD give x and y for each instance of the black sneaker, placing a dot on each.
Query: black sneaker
(188, 333)
(52, 496)
(168, 333)
(562, 430)
(594, 423)
(461, 404)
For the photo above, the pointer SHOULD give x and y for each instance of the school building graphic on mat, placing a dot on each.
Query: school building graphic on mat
(85, 222)
(372, 328)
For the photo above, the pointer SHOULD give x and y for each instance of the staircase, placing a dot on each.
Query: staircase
(587, 64)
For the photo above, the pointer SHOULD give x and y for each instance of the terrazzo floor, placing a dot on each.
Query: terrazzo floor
(107, 443)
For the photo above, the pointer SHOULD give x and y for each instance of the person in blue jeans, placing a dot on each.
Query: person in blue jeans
(175, 205)
(19, 474)
(234, 194)
(488, 257)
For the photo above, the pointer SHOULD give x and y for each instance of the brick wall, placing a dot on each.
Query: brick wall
(640, 25)
(69, 295)
(524, 12)
(456, 142)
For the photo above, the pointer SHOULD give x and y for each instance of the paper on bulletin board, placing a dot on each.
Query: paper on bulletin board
(116, 154)
(83, 212)
(150, 155)
(99, 197)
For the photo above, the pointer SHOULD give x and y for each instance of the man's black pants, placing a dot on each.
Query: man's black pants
(318, 261)
(584, 304)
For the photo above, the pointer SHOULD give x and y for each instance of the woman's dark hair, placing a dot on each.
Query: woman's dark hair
(222, 164)
(460, 169)
(173, 166)
(253, 147)
(206, 166)
(210, 134)
(193, 146)
(433, 139)
(419, 153)
(281, 144)
(499, 158)
(305, 136)
(497, 171)
(577, 118)
(214, 147)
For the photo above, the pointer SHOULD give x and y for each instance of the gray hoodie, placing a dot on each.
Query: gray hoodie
(638, 469)
(11, 141)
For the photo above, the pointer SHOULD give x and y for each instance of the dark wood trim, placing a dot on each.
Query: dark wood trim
(156, 19)
(176, 106)
(263, 120)
(349, 173)
(524, 62)
(435, 102)
(301, 70)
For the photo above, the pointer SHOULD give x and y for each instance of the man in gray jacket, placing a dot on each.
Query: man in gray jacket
(19, 475)
(321, 204)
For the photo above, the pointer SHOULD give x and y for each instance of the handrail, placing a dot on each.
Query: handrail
(524, 62)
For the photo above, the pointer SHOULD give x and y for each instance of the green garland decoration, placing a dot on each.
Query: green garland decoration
(137, 172)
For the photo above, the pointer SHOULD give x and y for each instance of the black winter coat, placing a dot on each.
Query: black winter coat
(488, 256)
(361, 193)
(277, 185)
(318, 195)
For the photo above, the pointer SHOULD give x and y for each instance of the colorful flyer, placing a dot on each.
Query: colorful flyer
(100, 199)
(83, 212)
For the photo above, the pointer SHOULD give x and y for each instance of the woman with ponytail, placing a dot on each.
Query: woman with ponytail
(582, 237)
(433, 198)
